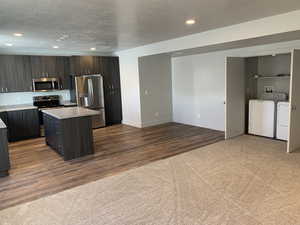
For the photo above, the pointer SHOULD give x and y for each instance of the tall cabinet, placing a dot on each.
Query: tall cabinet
(108, 67)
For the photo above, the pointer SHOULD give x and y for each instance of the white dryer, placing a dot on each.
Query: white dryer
(282, 120)
(262, 118)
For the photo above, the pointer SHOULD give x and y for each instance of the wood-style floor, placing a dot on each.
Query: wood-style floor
(38, 171)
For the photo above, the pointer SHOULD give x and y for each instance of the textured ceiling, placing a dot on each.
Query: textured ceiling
(111, 25)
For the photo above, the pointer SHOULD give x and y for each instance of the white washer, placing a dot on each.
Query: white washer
(262, 118)
(282, 120)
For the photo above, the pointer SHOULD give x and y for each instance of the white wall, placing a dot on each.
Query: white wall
(253, 29)
(26, 97)
(198, 90)
(156, 89)
(198, 83)
(130, 91)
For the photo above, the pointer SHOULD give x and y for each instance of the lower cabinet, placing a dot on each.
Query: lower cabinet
(71, 138)
(4, 155)
(52, 135)
(3, 117)
(23, 124)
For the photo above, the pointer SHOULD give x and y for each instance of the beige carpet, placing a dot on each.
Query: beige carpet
(245, 181)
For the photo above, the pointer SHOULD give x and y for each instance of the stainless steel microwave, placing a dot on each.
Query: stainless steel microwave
(46, 84)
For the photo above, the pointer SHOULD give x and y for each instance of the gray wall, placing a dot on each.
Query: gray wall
(267, 66)
(156, 89)
(272, 66)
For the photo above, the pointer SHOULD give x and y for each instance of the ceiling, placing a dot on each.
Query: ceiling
(111, 25)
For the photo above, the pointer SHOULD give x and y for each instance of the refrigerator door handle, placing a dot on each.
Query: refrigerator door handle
(91, 92)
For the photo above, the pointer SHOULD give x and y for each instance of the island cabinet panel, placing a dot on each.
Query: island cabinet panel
(71, 138)
(23, 124)
(4, 154)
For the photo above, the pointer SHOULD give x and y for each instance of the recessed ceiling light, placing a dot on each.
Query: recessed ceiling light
(93, 49)
(18, 34)
(55, 46)
(190, 22)
(9, 44)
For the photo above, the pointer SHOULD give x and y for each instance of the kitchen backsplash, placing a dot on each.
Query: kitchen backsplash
(26, 97)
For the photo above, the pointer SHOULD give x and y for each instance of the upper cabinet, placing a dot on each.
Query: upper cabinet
(43, 66)
(51, 66)
(15, 73)
(62, 71)
(82, 65)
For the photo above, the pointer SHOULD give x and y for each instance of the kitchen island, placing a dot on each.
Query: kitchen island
(4, 156)
(69, 131)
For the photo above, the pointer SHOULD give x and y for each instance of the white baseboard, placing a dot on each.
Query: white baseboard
(156, 122)
(132, 123)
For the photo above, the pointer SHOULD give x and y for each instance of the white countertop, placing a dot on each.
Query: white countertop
(8, 108)
(70, 112)
(68, 103)
(2, 125)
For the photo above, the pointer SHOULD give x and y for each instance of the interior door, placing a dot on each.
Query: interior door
(235, 97)
(294, 122)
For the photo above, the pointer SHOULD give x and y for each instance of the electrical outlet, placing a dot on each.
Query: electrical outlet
(268, 89)
(157, 114)
(198, 116)
(146, 92)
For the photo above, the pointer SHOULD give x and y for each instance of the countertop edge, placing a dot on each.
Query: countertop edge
(53, 114)
(9, 108)
(2, 125)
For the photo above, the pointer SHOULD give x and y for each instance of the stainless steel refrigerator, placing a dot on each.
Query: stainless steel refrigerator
(89, 94)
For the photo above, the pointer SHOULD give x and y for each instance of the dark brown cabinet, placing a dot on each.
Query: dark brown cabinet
(62, 71)
(4, 154)
(112, 89)
(15, 73)
(43, 66)
(108, 67)
(71, 138)
(51, 66)
(23, 124)
(82, 65)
